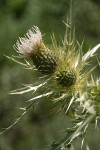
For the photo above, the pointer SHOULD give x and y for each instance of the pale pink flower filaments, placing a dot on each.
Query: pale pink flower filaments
(30, 43)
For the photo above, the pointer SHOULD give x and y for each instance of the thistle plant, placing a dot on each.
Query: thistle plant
(62, 75)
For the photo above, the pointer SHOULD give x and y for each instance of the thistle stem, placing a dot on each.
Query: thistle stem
(86, 122)
(68, 139)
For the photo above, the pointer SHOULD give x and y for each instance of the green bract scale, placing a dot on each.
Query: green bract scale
(66, 78)
(45, 61)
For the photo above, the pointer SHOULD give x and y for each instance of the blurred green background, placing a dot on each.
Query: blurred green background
(38, 129)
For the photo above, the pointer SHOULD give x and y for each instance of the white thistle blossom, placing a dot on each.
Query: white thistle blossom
(30, 43)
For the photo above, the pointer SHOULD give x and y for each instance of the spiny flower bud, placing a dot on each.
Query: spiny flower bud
(66, 78)
(32, 46)
(45, 61)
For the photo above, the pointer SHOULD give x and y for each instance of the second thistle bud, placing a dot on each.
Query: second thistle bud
(66, 77)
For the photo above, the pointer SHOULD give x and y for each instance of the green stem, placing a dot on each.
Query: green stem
(68, 139)
(86, 122)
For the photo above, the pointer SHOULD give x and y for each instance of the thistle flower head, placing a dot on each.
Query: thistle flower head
(65, 64)
(63, 79)
(66, 81)
(33, 47)
(30, 43)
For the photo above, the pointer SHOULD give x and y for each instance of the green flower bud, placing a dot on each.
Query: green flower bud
(66, 78)
(45, 61)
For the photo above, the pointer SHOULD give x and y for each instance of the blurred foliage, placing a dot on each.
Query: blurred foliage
(39, 128)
